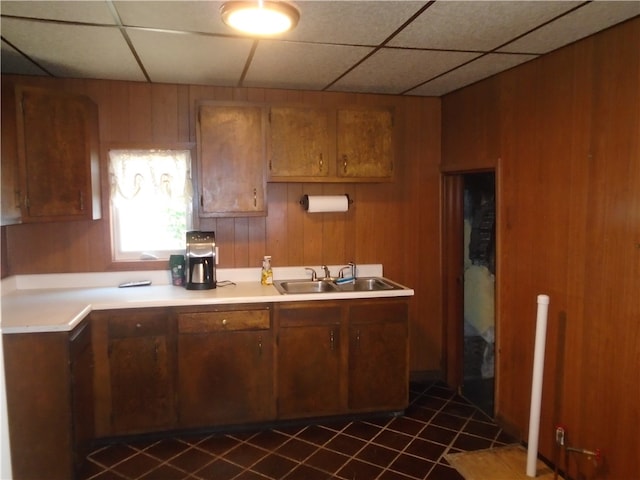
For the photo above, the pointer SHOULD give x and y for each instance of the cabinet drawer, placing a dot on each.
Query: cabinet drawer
(137, 325)
(301, 316)
(203, 322)
(379, 312)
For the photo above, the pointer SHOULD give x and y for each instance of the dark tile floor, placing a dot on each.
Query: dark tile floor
(408, 447)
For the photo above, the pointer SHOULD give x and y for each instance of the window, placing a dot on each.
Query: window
(150, 201)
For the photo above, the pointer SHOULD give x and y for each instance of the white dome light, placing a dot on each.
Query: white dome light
(260, 17)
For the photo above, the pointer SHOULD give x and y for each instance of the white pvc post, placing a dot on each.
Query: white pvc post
(536, 385)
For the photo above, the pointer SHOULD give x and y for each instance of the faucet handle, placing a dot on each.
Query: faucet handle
(314, 275)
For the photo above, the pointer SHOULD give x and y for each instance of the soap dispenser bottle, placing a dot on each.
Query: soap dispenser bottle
(267, 272)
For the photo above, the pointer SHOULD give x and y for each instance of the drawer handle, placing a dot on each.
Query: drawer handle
(224, 321)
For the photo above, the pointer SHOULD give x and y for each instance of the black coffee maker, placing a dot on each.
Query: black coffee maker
(200, 261)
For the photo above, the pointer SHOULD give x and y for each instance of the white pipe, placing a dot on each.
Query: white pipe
(536, 385)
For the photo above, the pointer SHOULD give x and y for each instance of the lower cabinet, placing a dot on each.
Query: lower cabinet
(137, 392)
(178, 368)
(225, 366)
(378, 356)
(310, 359)
(49, 402)
(349, 356)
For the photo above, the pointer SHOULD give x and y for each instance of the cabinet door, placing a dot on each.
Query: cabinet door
(225, 368)
(298, 142)
(10, 194)
(231, 154)
(141, 372)
(378, 357)
(365, 143)
(82, 399)
(309, 362)
(58, 155)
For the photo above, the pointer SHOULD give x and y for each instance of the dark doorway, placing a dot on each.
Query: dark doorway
(479, 289)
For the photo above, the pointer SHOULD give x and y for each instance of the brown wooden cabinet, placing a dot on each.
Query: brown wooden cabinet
(299, 142)
(308, 144)
(82, 398)
(57, 151)
(365, 143)
(231, 160)
(136, 392)
(225, 366)
(342, 357)
(49, 401)
(310, 360)
(378, 356)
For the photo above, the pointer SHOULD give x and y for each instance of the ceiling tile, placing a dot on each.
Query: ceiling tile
(286, 64)
(14, 62)
(193, 58)
(392, 70)
(74, 50)
(587, 20)
(475, 71)
(351, 22)
(72, 11)
(184, 16)
(476, 25)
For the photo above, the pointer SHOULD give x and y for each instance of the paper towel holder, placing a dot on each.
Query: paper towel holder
(304, 201)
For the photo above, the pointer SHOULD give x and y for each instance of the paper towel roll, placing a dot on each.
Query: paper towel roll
(325, 203)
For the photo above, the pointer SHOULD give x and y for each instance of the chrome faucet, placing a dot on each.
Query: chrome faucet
(327, 273)
(351, 266)
(314, 275)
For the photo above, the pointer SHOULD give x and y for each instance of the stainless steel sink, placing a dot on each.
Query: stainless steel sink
(304, 286)
(365, 284)
(372, 284)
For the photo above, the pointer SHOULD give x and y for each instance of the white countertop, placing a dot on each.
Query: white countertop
(58, 302)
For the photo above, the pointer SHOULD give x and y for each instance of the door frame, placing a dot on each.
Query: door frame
(453, 275)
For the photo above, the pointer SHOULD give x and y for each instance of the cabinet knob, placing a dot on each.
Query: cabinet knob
(224, 321)
(138, 325)
(344, 163)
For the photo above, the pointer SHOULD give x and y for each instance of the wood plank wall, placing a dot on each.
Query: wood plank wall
(565, 141)
(396, 224)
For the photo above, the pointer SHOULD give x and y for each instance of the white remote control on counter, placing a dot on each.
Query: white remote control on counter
(137, 283)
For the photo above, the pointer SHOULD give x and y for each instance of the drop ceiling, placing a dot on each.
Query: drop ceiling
(426, 48)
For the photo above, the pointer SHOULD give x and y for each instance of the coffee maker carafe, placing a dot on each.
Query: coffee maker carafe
(200, 261)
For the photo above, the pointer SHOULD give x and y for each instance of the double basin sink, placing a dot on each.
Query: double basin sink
(363, 284)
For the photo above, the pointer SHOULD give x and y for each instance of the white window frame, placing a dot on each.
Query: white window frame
(149, 187)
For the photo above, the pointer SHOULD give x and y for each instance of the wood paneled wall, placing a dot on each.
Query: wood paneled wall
(396, 224)
(566, 146)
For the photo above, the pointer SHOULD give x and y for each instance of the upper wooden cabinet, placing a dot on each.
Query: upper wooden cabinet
(365, 143)
(231, 153)
(315, 144)
(299, 142)
(57, 157)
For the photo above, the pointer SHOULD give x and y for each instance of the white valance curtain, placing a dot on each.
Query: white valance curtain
(156, 175)
(151, 201)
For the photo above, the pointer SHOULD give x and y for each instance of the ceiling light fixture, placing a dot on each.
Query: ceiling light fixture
(260, 17)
